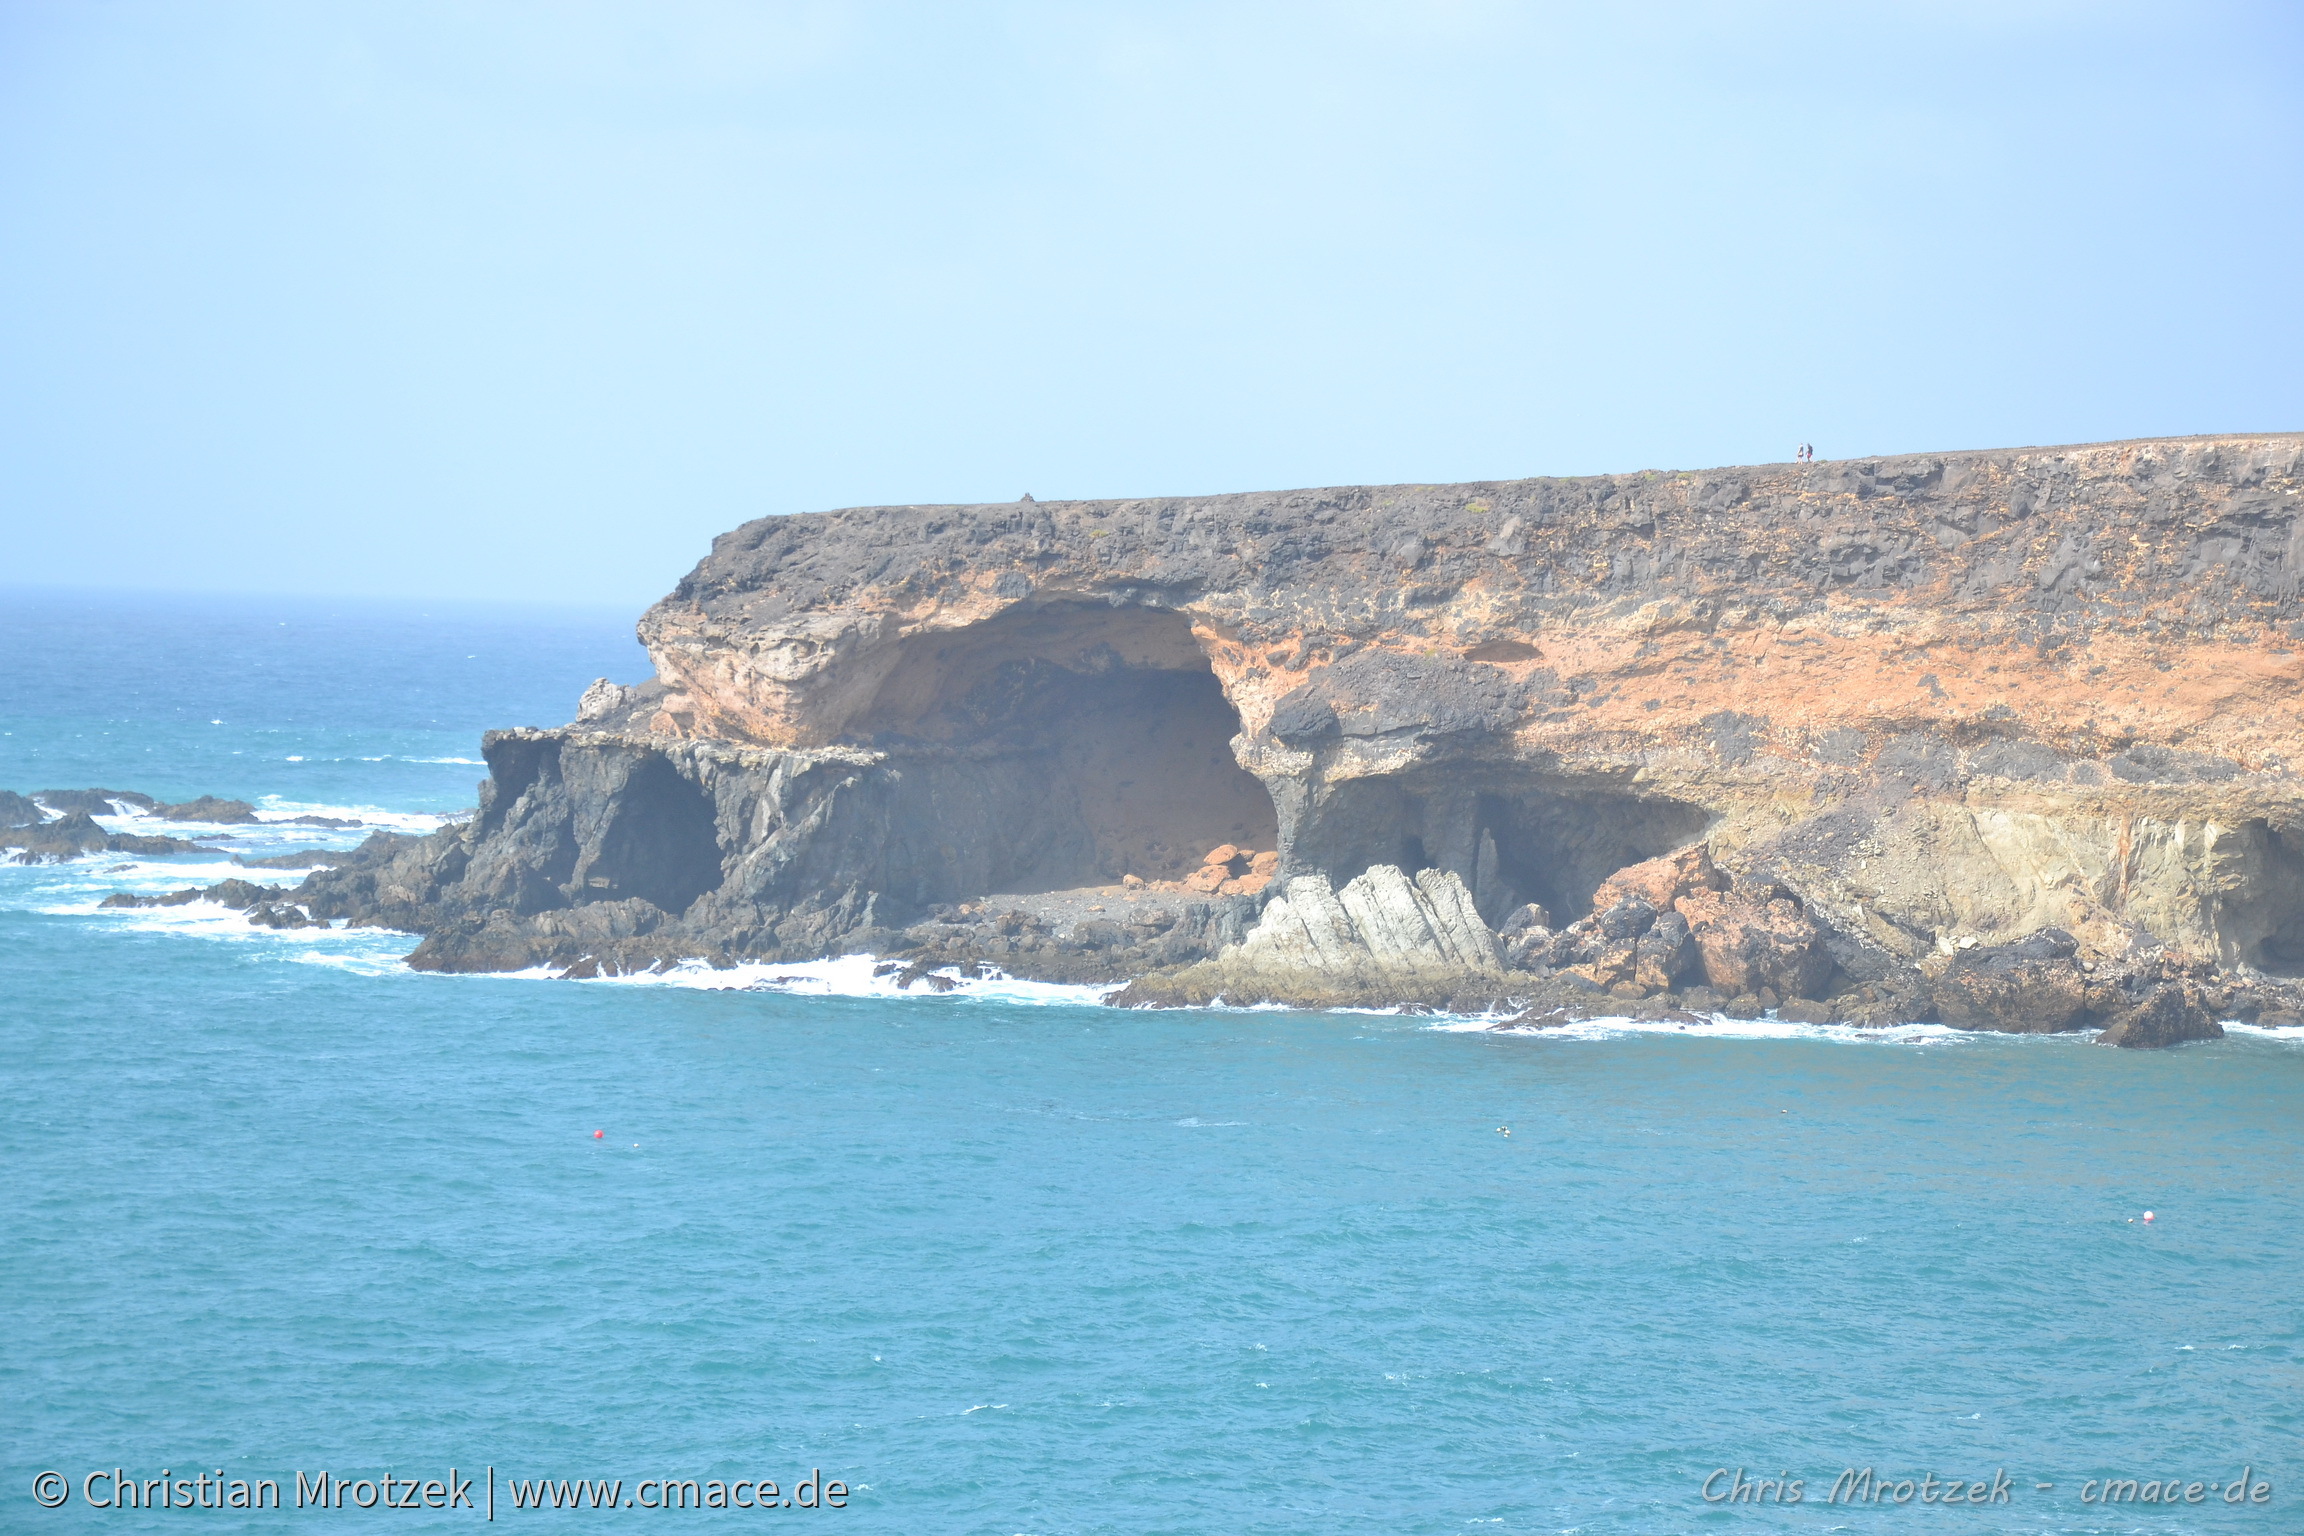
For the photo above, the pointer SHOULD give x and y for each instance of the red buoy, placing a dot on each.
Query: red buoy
(596, 1135)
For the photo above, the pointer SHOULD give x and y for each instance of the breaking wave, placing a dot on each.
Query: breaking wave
(860, 976)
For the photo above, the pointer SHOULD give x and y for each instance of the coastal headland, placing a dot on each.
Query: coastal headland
(2007, 739)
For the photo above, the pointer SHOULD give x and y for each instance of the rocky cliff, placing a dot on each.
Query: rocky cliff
(1907, 712)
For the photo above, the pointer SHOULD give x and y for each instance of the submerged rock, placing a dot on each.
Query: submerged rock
(208, 808)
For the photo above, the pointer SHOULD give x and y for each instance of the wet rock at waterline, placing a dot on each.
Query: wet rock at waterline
(77, 833)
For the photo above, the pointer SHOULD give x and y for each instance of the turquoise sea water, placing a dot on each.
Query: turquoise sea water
(1006, 1262)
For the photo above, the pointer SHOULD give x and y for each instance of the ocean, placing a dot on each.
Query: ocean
(1005, 1261)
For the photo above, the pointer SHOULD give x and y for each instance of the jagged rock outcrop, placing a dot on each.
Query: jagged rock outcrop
(211, 809)
(57, 824)
(76, 833)
(1912, 708)
(1381, 919)
(2171, 1015)
(1384, 935)
(267, 906)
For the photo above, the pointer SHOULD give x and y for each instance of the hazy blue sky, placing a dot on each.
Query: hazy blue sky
(532, 299)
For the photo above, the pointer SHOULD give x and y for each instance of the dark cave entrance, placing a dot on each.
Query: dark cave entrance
(2262, 923)
(1062, 747)
(660, 842)
(1513, 837)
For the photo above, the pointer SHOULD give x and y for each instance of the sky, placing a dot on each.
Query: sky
(529, 300)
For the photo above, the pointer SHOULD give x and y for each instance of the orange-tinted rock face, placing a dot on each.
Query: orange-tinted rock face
(1947, 697)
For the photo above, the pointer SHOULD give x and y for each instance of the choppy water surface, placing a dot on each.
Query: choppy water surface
(1005, 1261)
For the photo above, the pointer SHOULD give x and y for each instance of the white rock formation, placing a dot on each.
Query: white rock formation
(1381, 920)
(601, 700)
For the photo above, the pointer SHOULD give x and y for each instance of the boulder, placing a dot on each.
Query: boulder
(1613, 963)
(19, 811)
(1380, 920)
(1628, 918)
(602, 700)
(1534, 948)
(1523, 920)
(2170, 1014)
(1748, 946)
(1666, 952)
(1661, 881)
(2033, 986)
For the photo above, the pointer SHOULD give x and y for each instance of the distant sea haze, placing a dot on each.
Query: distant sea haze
(1006, 1260)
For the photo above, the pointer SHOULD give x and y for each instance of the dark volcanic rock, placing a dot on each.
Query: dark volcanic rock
(96, 802)
(78, 833)
(209, 808)
(236, 894)
(65, 838)
(312, 858)
(2033, 986)
(2173, 1013)
(266, 905)
(18, 811)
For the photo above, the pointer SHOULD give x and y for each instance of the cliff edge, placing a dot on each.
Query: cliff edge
(1875, 725)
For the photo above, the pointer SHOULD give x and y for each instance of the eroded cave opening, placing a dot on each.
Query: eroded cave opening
(1065, 746)
(1513, 837)
(660, 841)
(2261, 923)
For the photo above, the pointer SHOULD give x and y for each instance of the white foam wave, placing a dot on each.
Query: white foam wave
(1721, 1027)
(211, 920)
(379, 952)
(274, 808)
(389, 757)
(2294, 1032)
(90, 881)
(274, 815)
(854, 976)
